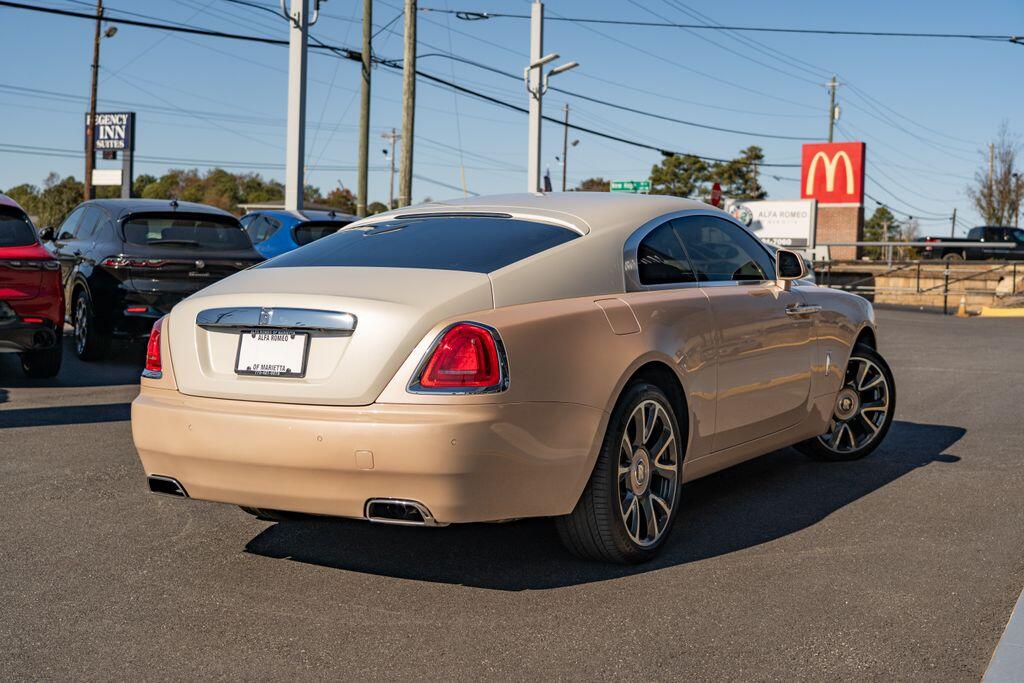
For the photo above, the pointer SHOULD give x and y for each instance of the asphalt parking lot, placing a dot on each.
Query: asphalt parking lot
(904, 565)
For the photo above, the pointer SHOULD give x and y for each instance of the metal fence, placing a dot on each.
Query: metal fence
(928, 269)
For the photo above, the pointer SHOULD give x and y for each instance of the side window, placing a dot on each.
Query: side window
(722, 252)
(67, 228)
(661, 259)
(90, 222)
(261, 228)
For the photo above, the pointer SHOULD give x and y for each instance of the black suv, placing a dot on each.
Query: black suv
(126, 262)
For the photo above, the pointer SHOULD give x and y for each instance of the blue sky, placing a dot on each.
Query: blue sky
(924, 107)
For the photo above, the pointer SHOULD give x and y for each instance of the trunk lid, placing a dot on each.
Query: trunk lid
(394, 308)
(165, 276)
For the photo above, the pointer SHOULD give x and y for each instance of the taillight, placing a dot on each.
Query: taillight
(154, 363)
(467, 358)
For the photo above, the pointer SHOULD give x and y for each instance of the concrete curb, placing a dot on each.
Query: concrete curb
(992, 312)
(1007, 664)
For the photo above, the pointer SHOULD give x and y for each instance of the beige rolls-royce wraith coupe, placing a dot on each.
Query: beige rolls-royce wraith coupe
(577, 356)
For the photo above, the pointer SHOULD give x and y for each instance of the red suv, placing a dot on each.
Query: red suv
(31, 296)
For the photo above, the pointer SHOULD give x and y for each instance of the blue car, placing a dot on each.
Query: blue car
(276, 231)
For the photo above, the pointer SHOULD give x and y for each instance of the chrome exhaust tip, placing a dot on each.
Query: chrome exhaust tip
(395, 511)
(169, 486)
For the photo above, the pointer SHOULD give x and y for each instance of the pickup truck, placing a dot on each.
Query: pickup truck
(992, 242)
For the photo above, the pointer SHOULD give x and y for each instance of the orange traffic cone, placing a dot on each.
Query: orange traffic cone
(961, 312)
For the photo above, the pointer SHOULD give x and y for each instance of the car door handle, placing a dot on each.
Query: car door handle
(802, 309)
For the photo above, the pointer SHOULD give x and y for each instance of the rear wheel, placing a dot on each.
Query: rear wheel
(90, 342)
(43, 364)
(630, 502)
(863, 411)
(953, 256)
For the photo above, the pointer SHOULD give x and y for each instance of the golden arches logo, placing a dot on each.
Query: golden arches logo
(830, 171)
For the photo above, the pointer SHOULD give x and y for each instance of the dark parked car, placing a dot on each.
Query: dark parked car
(275, 232)
(994, 242)
(31, 298)
(126, 262)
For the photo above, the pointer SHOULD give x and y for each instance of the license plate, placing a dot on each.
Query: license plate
(272, 353)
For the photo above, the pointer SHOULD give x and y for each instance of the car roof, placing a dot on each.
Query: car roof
(585, 212)
(7, 201)
(305, 215)
(119, 208)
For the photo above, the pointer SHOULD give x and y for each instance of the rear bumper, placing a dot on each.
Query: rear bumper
(464, 463)
(19, 336)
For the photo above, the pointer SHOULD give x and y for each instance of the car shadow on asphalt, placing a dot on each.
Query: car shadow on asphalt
(54, 416)
(123, 365)
(747, 505)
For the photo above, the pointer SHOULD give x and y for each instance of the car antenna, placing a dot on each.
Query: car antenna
(174, 203)
(331, 214)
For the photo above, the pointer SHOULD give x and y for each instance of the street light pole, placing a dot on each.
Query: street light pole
(393, 137)
(295, 138)
(533, 86)
(90, 141)
(565, 147)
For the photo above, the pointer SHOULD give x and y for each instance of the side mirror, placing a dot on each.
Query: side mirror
(789, 266)
(46, 234)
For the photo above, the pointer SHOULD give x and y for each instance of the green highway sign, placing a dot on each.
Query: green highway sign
(633, 186)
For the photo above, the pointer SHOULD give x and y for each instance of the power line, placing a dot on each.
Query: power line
(468, 15)
(351, 54)
(620, 107)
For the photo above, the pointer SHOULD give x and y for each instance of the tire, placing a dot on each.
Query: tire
(632, 474)
(43, 364)
(90, 343)
(953, 256)
(857, 431)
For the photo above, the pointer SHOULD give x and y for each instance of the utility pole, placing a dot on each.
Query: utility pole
(393, 137)
(364, 113)
(565, 147)
(952, 228)
(886, 253)
(831, 107)
(408, 104)
(533, 84)
(90, 142)
(295, 138)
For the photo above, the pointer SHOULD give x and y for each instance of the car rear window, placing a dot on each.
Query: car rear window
(475, 244)
(305, 233)
(204, 232)
(15, 229)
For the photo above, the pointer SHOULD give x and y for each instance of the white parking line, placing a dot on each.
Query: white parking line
(1007, 665)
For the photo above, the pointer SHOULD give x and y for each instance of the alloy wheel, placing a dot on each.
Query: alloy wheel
(861, 408)
(648, 473)
(81, 324)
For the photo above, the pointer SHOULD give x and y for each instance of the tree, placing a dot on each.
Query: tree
(594, 185)
(738, 177)
(27, 195)
(681, 175)
(342, 199)
(58, 198)
(875, 230)
(140, 182)
(685, 175)
(998, 184)
(376, 207)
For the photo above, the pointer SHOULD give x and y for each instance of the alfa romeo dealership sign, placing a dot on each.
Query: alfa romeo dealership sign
(788, 224)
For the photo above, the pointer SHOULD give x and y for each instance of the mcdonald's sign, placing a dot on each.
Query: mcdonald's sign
(833, 173)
